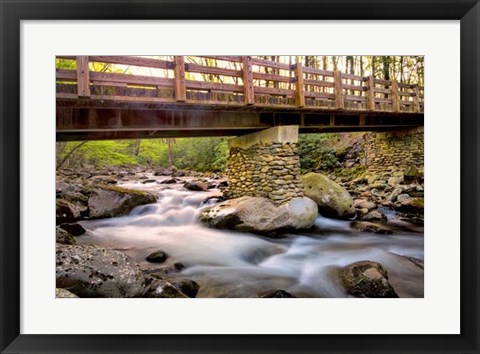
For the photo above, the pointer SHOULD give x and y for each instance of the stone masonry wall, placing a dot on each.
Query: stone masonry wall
(392, 151)
(264, 170)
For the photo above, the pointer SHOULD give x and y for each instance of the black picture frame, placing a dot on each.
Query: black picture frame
(13, 12)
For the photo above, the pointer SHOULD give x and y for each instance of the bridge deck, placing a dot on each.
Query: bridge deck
(223, 95)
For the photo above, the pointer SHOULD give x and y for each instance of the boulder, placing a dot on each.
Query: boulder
(161, 171)
(64, 237)
(367, 279)
(364, 204)
(261, 215)
(157, 257)
(333, 200)
(110, 201)
(412, 205)
(74, 229)
(90, 271)
(374, 215)
(66, 211)
(63, 293)
(196, 185)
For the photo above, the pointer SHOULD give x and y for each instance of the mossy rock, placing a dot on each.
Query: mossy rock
(332, 199)
(367, 279)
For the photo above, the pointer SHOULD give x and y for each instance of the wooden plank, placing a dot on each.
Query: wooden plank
(83, 77)
(248, 90)
(395, 97)
(416, 99)
(320, 95)
(383, 100)
(300, 87)
(108, 83)
(371, 94)
(212, 86)
(408, 94)
(309, 70)
(382, 90)
(270, 64)
(352, 77)
(196, 68)
(353, 87)
(136, 80)
(274, 91)
(65, 75)
(270, 77)
(318, 83)
(354, 98)
(133, 61)
(339, 104)
(179, 70)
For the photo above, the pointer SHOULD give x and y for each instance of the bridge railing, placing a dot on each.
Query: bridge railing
(232, 81)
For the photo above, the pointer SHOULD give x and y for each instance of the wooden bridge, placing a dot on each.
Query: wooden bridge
(222, 95)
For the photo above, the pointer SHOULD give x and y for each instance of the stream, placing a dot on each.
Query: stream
(233, 264)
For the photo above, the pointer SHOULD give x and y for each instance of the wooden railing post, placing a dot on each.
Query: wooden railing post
(83, 77)
(339, 104)
(395, 97)
(247, 75)
(371, 93)
(300, 92)
(179, 70)
(416, 99)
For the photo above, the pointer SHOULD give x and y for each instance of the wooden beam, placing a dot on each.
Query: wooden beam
(179, 70)
(83, 77)
(300, 87)
(339, 104)
(416, 99)
(395, 97)
(247, 76)
(371, 94)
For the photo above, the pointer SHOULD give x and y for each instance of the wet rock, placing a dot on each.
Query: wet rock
(74, 229)
(367, 279)
(157, 257)
(196, 185)
(63, 293)
(366, 226)
(163, 172)
(111, 201)
(187, 286)
(374, 215)
(261, 215)
(222, 185)
(160, 288)
(179, 266)
(103, 180)
(277, 294)
(172, 180)
(89, 271)
(402, 197)
(64, 237)
(412, 205)
(364, 204)
(67, 211)
(150, 180)
(333, 200)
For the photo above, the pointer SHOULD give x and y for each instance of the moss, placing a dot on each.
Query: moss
(123, 190)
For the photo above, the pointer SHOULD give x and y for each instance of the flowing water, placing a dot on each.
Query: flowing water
(234, 264)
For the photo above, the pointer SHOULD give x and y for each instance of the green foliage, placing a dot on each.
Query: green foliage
(316, 154)
(201, 154)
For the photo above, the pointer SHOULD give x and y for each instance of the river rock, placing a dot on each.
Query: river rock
(64, 237)
(66, 211)
(63, 293)
(374, 215)
(110, 201)
(187, 286)
(261, 215)
(161, 171)
(412, 205)
(277, 294)
(160, 288)
(90, 271)
(157, 257)
(196, 185)
(364, 204)
(366, 226)
(333, 200)
(367, 279)
(74, 229)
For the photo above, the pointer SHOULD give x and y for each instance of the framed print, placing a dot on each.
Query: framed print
(239, 177)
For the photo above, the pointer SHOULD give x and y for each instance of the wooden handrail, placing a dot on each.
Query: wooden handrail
(258, 81)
